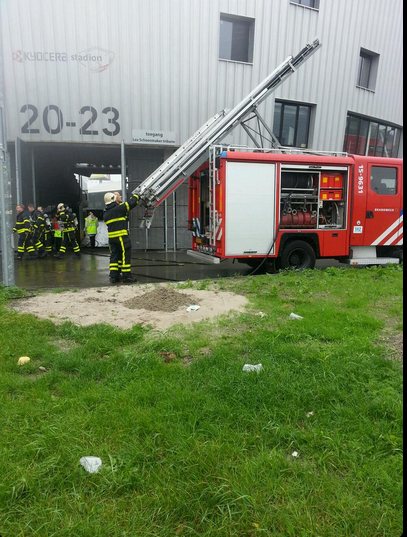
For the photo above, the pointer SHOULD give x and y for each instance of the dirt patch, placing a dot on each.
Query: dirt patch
(394, 345)
(161, 299)
(157, 305)
(64, 345)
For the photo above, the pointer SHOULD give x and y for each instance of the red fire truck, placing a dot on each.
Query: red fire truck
(278, 206)
(291, 208)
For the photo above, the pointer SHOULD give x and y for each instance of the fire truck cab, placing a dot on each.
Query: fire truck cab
(287, 208)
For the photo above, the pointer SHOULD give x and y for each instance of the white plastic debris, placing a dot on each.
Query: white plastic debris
(193, 307)
(42, 368)
(295, 454)
(309, 414)
(294, 316)
(91, 464)
(23, 360)
(253, 367)
(260, 314)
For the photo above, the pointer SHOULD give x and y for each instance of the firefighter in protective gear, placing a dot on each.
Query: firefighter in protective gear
(116, 217)
(38, 225)
(67, 222)
(47, 238)
(33, 237)
(23, 229)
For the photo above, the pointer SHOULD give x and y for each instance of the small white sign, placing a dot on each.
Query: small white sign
(357, 229)
(151, 137)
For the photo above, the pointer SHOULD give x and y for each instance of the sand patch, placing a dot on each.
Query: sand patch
(158, 305)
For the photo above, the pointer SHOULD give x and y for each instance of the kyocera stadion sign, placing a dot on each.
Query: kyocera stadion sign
(95, 59)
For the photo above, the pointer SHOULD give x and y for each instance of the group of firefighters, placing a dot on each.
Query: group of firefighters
(39, 235)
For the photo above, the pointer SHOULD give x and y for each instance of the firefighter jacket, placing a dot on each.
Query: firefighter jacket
(66, 220)
(22, 224)
(38, 221)
(116, 217)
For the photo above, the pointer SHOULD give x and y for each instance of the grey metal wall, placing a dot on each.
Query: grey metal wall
(156, 63)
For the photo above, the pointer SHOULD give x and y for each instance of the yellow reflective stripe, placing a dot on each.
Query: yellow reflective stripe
(115, 220)
(24, 230)
(120, 233)
(123, 252)
(127, 205)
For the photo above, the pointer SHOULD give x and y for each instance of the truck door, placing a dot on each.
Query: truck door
(384, 215)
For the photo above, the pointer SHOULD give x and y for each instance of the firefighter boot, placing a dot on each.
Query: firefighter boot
(128, 278)
(114, 277)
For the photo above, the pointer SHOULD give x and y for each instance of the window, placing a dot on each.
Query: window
(383, 180)
(291, 123)
(236, 38)
(366, 137)
(307, 3)
(367, 74)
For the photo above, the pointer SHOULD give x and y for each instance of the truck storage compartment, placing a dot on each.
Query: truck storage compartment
(299, 199)
(312, 199)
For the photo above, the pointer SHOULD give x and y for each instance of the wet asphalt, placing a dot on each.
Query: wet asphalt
(91, 269)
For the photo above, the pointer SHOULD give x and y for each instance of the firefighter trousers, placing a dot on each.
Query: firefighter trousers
(120, 256)
(37, 241)
(69, 239)
(24, 245)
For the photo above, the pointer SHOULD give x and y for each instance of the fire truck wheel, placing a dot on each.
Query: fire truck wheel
(297, 255)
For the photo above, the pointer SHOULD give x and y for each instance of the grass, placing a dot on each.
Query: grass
(196, 447)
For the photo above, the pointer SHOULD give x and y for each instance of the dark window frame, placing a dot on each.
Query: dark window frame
(372, 145)
(297, 113)
(228, 17)
(367, 82)
(304, 3)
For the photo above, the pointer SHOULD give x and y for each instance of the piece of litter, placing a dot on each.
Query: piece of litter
(91, 464)
(193, 307)
(23, 360)
(309, 414)
(294, 316)
(260, 314)
(294, 454)
(42, 368)
(253, 367)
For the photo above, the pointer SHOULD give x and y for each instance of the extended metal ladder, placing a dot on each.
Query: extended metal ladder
(181, 164)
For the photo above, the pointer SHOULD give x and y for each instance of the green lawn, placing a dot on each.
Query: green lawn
(196, 447)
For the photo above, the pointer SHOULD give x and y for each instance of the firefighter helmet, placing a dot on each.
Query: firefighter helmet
(109, 198)
(60, 207)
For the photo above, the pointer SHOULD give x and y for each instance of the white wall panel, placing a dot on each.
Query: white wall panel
(157, 64)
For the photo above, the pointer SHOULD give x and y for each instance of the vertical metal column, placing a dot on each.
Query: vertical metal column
(123, 169)
(174, 220)
(34, 185)
(18, 170)
(166, 225)
(6, 214)
(6, 199)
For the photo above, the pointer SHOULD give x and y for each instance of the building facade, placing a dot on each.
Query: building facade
(82, 78)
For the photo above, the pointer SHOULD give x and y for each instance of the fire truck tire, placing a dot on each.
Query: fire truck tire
(297, 255)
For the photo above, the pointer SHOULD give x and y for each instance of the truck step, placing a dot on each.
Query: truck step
(373, 261)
